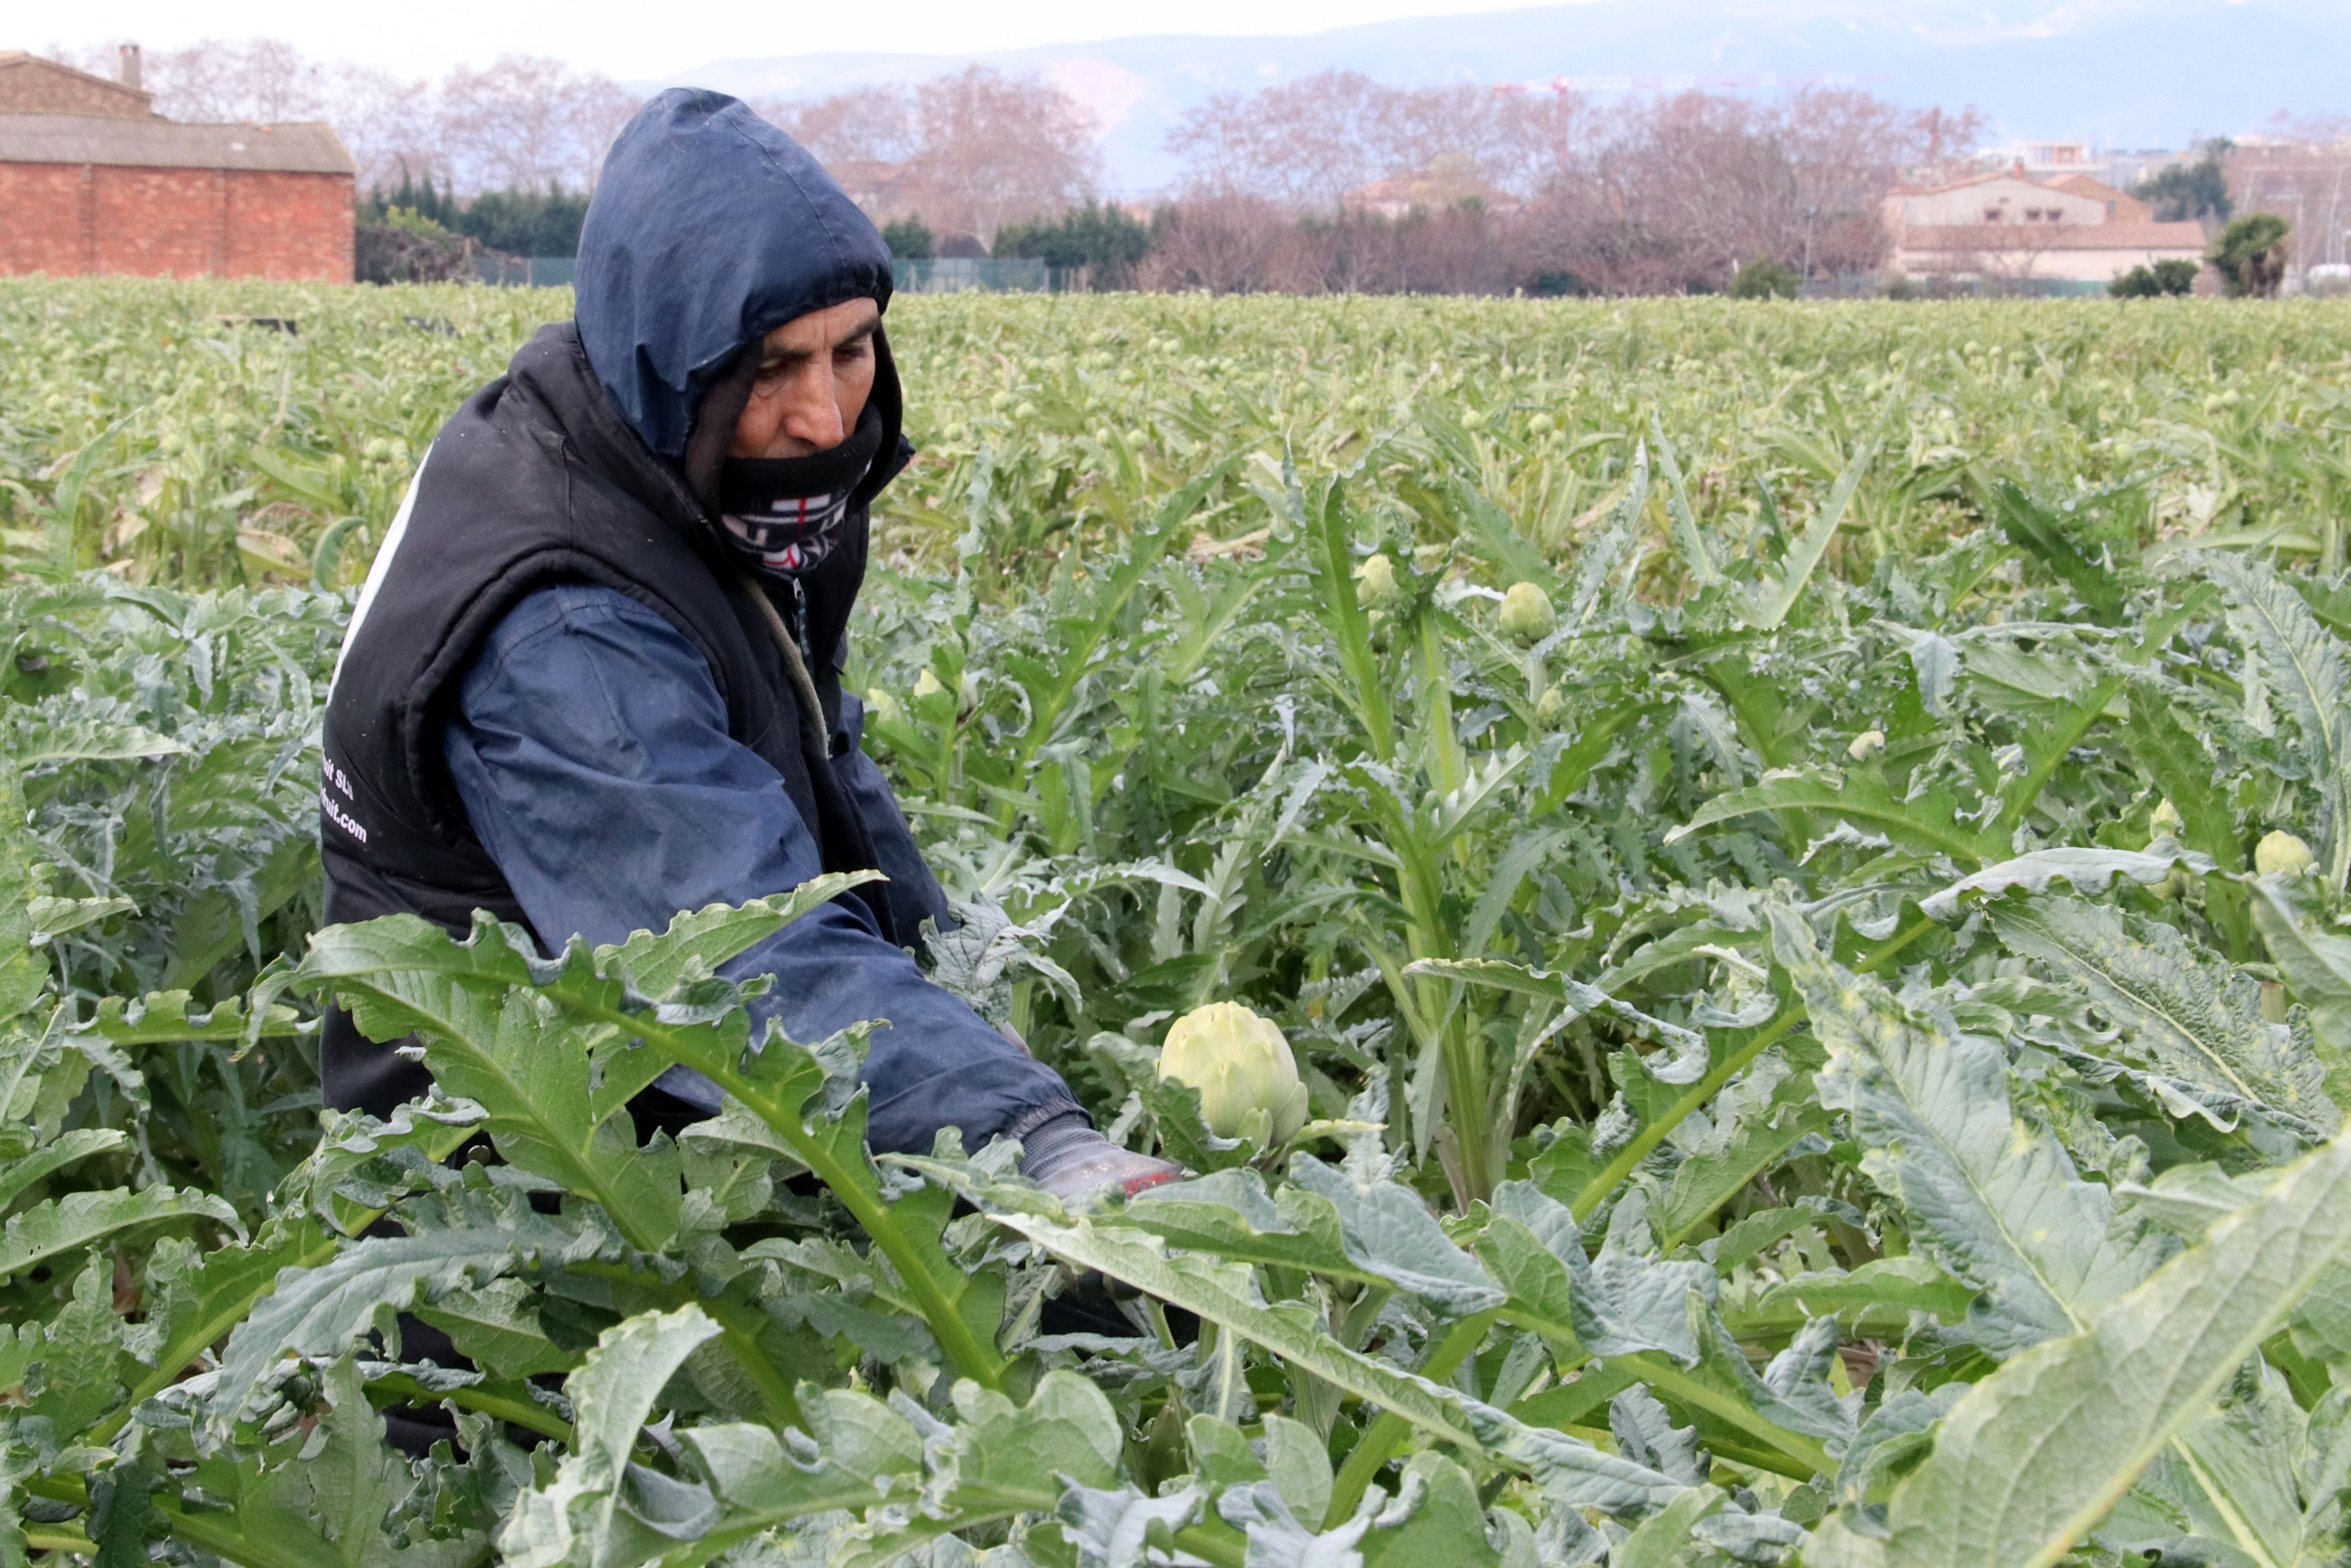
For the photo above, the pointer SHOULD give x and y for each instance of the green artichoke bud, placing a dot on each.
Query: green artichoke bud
(1527, 614)
(2281, 852)
(1375, 582)
(2164, 823)
(1243, 1067)
(1866, 745)
(1549, 705)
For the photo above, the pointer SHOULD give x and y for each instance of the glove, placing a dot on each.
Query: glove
(1069, 1159)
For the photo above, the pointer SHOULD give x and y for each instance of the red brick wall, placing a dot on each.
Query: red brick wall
(174, 222)
(42, 230)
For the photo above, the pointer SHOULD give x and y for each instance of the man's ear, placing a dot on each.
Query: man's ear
(714, 418)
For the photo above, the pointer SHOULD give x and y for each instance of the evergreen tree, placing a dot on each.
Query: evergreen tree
(2195, 191)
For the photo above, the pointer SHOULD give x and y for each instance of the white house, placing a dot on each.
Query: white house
(2010, 225)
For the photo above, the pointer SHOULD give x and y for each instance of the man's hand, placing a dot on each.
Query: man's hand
(1069, 1159)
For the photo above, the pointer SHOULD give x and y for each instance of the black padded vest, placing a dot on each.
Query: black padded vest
(537, 480)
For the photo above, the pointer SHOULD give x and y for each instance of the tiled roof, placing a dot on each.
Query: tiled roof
(2054, 236)
(305, 147)
(31, 85)
(2088, 185)
(1963, 182)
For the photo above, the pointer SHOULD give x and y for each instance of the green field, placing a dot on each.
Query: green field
(1826, 1024)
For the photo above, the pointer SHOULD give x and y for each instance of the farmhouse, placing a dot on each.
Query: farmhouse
(2012, 227)
(93, 181)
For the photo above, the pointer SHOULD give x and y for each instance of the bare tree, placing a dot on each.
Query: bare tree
(1301, 145)
(1674, 194)
(992, 148)
(1221, 244)
(1305, 144)
(389, 127)
(967, 153)
(526, 123)
(1514, 140)
(869, 125)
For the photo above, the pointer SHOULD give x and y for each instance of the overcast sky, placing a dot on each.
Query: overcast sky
(637, 41)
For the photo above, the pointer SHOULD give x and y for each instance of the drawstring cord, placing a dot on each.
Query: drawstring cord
(803, 686)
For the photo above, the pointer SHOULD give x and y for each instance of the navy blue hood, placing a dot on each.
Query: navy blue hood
(709, 229)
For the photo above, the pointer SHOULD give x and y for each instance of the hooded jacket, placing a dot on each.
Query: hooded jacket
(579, 467)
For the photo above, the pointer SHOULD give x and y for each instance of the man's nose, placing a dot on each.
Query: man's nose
(815, 415)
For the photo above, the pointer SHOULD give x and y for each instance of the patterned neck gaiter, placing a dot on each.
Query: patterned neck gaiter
(786, 513)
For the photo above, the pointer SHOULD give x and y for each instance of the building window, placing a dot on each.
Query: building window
(1992, 214)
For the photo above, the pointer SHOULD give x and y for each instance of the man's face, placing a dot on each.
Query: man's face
(815, 374)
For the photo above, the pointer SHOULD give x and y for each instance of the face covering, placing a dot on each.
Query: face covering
(786, 513)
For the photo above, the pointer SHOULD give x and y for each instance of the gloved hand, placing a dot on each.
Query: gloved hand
(1069, 1159)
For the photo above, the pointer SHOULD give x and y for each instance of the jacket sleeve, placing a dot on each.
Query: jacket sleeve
(591, 750)
(914, 892)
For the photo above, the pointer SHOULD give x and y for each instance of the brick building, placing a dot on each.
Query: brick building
(92, 181)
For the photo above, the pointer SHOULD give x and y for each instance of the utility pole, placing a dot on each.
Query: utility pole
(1806, 281)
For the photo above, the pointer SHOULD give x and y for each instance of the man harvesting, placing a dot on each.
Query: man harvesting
(594, 676)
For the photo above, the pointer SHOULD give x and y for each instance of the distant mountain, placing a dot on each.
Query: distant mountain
(2125, 73)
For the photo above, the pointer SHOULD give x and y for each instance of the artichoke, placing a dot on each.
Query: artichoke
(1375, 582)
(1243, 1067)
(2164, 823)
(1866, 745)
(2281, 852)
(1527, 614)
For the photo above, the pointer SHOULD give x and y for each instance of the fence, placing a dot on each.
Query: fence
(525, 271)
(995, 275)
(943, 274)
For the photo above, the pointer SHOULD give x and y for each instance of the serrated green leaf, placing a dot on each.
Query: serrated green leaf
(316, 1312)
(1123, 1527)
(494, 1326)
(2311, 674)
(1389, 1232)
(1929, 824)
(1998, 1204)
(2192, 1024)
(17, 1174)
(72, 1379)
(2087, 870)
(556, 1107)
(2316, 965)
(63, 1225)
(1772, 598)
(1436, 1521)
(2029, 1458)
(332, 1499)
(583, 1516)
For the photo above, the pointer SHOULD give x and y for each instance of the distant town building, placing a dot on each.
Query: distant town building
(2015, 227)
(93, 181)
(1449, 182)
(2040, 158)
